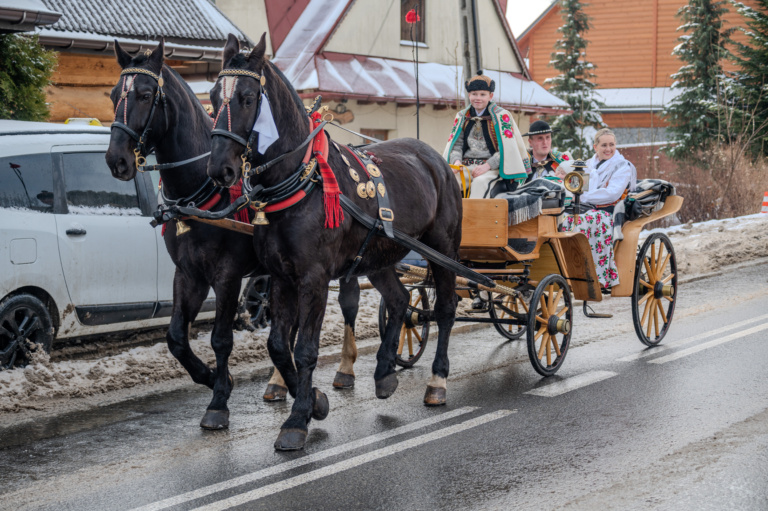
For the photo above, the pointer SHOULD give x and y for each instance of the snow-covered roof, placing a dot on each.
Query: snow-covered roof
(638, 99)
(185, 24)
(375, 78)
(309, 68)
(24, 15)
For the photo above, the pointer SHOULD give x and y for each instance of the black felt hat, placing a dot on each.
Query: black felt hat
(540, 128)
(480, 82)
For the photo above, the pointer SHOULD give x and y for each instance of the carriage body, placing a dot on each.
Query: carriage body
(539, 270)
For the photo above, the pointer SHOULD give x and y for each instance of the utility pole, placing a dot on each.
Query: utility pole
(470, 38)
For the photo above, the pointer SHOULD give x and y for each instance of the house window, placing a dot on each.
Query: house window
(380, 134)
(418, 28)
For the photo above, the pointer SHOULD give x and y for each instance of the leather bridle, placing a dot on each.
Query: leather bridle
(129, 76)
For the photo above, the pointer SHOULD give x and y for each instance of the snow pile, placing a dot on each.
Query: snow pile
(700, 248)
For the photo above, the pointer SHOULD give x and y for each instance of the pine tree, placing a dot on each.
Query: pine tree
(696, 115)
(573, 85)
(751, 79)
(25, 70)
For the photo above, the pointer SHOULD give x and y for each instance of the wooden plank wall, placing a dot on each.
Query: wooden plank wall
(630, 42)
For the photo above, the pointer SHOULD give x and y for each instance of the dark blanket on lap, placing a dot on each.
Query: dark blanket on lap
(525, 202)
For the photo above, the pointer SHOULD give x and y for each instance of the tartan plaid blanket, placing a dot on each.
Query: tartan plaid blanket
(649, 196)
(525, 202)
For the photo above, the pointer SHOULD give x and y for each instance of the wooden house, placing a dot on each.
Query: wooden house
(195, 32)
(631, 44)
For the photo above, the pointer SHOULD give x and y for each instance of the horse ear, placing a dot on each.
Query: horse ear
(258, 51)
(231, 49)
(123, 57)
(157, 56)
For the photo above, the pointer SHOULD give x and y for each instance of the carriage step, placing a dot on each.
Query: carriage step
(590, 313)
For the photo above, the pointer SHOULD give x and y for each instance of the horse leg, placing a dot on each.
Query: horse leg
(188, 297)
(279, 340)
(227, 291)
(310, 402)
(445, 315)
(349, 300)
(396, 299)
(276, 387)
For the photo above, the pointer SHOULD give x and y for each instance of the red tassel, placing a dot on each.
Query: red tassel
(235, 192)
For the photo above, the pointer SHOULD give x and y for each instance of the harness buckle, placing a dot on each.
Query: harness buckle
(245, 168)
(140, 160)
(386, 214)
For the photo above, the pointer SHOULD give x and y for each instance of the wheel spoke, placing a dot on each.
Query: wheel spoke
(644, 283)
(658, 260)
(645, 297)
(656, 319)
(662, 266)
(417, 300)
(525, 306)
(543, 346)
(402, 340)
(410, 343)
(650, 316)
(661, 310)
(648, 271)
(541, 320)
(653, 258)
(416, 333)
(562, 312)
(669, 298)
(553, 304)
(544, 307)
(539, 334)
(549, 350)
(647, 307)
(4, 332)
(555, 345)
(668, 278)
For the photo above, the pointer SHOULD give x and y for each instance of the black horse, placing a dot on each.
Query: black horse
(178, 128)
(302, 256)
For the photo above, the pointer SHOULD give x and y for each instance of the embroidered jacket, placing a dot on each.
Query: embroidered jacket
(555, 160)
(513, 160)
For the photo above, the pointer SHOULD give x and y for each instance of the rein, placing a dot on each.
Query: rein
(141, 140)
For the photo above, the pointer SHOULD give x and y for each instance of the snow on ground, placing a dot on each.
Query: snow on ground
(701, 248)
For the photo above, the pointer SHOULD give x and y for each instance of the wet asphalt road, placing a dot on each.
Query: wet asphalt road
(682, 426)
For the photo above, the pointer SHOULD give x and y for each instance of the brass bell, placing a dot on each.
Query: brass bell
(261, 218)
(181, 228)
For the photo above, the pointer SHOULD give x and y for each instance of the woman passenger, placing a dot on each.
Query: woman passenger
(611, 177)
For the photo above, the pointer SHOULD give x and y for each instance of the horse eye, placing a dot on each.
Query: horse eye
(146, 97)
(248, 101)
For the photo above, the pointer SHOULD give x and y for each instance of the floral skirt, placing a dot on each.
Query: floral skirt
(598, 227)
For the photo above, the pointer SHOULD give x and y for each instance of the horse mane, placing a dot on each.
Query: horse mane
(291, 88)
(187, 89)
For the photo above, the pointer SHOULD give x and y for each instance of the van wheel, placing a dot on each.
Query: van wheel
(25, 328)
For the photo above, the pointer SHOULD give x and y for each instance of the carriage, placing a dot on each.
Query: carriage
(539, 271)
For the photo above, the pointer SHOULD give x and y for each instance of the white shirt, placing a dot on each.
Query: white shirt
(608, 182)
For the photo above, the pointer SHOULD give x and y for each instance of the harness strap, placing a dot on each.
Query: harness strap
(165, 166)
(413, 244)
(359, 257)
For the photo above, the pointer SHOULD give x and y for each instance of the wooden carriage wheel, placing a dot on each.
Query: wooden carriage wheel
(414, 333)
(655, 289)
(501, 305)
(549, 324)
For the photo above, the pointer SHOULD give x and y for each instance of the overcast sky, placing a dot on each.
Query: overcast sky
(521, 13)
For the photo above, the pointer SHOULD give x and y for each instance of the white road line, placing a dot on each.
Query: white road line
(356, 461)
(664, 347)
(707, 345)
(312, 458)
(572, 383)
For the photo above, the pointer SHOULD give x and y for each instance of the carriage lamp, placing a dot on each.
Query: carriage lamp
(577, 182)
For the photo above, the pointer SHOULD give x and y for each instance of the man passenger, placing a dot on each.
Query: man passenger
(546, 162)
(486, 140)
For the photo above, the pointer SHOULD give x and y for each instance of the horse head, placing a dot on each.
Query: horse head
(140, 110)
(243, 86)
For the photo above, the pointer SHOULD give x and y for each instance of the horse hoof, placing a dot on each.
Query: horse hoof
(291, 439)
(321, 407)
(386, 386)
(275, 392)
(435, 396)
(215, 419)
(343, 381)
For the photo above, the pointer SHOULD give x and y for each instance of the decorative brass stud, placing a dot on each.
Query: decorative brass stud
(361, 191)
(370, 189)
(373, 170)
(354, 175)
(382, 189)
(160, 82)
(344, 158)
(123, 94)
